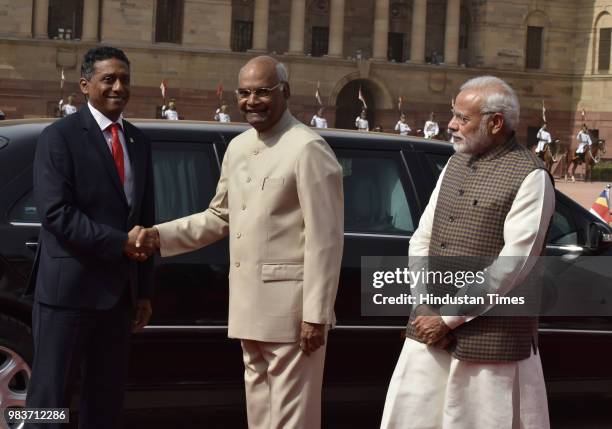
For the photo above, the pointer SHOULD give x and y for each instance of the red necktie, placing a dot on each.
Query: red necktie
(117, 151)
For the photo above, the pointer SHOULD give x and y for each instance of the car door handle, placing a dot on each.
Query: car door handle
(32, 245)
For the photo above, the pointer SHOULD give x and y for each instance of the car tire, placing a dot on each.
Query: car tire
(16, 353)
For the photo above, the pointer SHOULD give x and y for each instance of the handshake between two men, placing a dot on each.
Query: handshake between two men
(141, 243)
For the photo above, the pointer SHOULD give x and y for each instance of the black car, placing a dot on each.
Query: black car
(184, 359)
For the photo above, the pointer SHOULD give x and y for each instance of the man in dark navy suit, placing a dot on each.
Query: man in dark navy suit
(93, 182)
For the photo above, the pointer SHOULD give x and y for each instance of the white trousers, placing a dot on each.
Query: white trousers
(430, 389)
(283, 385)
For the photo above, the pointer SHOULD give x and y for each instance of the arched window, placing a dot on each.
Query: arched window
(537, 22)
(603, 37)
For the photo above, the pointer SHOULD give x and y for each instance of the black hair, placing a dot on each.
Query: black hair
(100, 53)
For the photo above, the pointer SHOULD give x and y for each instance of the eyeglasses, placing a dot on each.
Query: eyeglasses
(463, 120)
(243, 93)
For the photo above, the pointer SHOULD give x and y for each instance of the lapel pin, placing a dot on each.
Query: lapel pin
(131, 140)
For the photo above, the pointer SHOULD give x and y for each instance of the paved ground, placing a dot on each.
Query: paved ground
(584, 193)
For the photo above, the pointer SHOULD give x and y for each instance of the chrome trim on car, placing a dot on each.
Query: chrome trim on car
(367, 234)
(186, 328)
(575, 331)
(567, 247)
(167, 328)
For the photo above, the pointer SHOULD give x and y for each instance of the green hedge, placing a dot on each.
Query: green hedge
(602, 172)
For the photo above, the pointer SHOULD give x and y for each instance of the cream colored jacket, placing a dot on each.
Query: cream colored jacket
(280, 198)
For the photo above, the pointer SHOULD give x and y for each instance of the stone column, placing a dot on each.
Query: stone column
(91, 9)
(381, 30)
(336, 28)
(451, 36)
(419, 30)
(260, 26)
(298, 18)
(41, 19)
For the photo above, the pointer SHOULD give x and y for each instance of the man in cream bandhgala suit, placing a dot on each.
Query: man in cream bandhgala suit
(493, 199)
(280, 199)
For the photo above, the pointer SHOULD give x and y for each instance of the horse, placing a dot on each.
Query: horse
(550, 154)
(592, 155)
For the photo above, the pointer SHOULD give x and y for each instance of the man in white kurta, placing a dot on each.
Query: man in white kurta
(544, 138)
(431, 128)
(221, 114)
(361, 122)
(402, 126)
(432, 389)
(318, 121)
(170, 112)
(584, 143)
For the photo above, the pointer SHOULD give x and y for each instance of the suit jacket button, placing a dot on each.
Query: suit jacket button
(237, 264)
(255, 152)
(244, 207)
(248, 179)
(238, 235)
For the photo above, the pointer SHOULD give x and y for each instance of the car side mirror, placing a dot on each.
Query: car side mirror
(598, 236)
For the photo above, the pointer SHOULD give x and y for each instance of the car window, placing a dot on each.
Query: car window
(185, 178)
(374, 196)
(438, 162)
(24, 210)
(562, 230)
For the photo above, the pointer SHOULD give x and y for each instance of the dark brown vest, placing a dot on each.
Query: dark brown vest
(475, 197)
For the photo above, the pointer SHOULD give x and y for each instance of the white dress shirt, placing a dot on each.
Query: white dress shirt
(403, 128)
(543, 138)
(431, 129)
(104, 123)
(318, 122)
(584, 139)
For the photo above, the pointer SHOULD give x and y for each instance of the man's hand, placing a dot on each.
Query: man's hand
(312, 337)
(430, 329)
(148, 239)
(132, 250)
(143, 314)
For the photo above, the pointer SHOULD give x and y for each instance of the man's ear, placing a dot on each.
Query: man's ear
(84, 85)
(497, 119)
(286, 90)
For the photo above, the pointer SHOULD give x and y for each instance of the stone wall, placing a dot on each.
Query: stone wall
(568, 81)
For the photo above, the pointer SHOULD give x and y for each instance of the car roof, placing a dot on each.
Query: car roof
(15, 128)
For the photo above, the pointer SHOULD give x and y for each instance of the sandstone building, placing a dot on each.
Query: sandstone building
(556, 52)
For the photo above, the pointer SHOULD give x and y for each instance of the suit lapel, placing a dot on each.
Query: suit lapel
(96, 137)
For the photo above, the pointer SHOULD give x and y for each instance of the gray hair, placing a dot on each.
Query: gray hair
(281, 73)
(499, 97)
